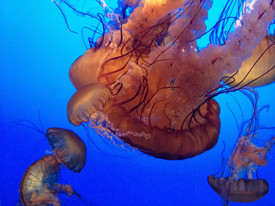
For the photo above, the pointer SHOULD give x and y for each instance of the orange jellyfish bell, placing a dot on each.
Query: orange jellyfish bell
(148, 84)
(164, 143)
(68, 148)
(257, 70)
(86, 67)
(39, 184)
(86, 101)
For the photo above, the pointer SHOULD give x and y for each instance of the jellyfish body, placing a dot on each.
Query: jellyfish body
(161, 85)
(68, 148)
(39, 184)
(237, 182)
(244, 160)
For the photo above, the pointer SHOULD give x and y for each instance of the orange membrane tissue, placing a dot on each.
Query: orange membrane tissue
(146, 82)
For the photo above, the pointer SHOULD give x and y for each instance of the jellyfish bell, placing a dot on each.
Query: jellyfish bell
(86, 101)
(68, 148)
(39, 184)
(257, 70)
(162, 86)
(81, 68)
(97, 65)
(240, 190)
(164, 143)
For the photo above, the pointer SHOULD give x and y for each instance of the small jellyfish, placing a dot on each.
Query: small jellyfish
(68, 148)
(154, 85)
(236, 183)
(39, 184)
(245, 160)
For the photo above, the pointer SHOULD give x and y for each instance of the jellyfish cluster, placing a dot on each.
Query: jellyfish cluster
(39, 185)
(145, 81)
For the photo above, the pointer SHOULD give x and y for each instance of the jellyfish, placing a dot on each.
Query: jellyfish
(146, 81)
(236, 183)
(244, 160)
(69, 149)
(39, 184)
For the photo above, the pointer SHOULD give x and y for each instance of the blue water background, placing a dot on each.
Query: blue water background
(36, 51)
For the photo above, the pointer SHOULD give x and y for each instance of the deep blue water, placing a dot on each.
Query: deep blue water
(36, 53)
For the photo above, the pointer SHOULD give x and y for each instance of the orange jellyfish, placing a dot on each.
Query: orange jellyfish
(39, 184)
(146, 82)
(68, 148)
(236, 182)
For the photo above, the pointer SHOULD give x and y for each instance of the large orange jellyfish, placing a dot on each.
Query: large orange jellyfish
(146, 82)
(39, 184)
(236, 182)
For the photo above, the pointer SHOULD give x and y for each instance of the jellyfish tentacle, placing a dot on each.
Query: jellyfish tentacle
(131, 98)
(119, 85)
(242, 40)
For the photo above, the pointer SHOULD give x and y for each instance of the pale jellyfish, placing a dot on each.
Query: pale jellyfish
(39, 184)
